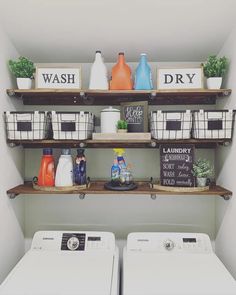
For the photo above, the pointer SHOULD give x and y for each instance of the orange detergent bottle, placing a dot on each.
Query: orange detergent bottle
(121, 75)
(46, 176)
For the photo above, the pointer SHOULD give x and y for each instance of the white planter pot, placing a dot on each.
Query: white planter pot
(214, 83)
(24, 83)
(122, 130)
(201, 181)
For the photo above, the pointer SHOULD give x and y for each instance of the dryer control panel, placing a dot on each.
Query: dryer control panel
(169, 242)
(73, 241)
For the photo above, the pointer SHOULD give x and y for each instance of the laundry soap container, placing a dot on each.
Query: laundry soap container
(109, 119)
(99, 74)
(121, 76)
(64, 173)
(46, 176)
(143, 75)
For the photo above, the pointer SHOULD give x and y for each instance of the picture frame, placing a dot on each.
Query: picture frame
(136, 115)
(58, 76)
(182, 78)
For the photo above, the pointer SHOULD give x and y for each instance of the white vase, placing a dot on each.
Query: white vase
(214, 82)
(24, 83)
(201, 181)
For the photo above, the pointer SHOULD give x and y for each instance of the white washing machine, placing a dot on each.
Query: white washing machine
(66, 263)
(173, 264)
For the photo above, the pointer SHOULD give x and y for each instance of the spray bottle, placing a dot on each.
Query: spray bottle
(121, 161)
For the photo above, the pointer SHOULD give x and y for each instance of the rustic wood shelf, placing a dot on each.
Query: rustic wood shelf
(201, 143)
(97, 187)
(115, 97)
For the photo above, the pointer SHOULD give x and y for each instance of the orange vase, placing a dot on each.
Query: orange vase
(121, 75)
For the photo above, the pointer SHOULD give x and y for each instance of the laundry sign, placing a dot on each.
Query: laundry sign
(176, 163)
(58, 76)
(182, 78)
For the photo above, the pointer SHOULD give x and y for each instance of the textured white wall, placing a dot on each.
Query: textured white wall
(226, 163)
(120, 214)
(11, 167)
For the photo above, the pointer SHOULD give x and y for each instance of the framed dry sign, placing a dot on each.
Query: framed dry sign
(136, 115)
(180, 78)
(58, 76)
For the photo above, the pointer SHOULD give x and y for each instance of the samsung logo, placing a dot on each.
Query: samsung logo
(142, 240)
(51, 239)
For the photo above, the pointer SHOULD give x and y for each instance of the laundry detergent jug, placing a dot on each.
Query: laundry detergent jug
(46, 176)
(121, 75)
(143, 75)
(64, 173)
(99, 74)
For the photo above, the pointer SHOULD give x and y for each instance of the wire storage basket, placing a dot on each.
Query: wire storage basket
(213, 124)
(171, 124)
(72, 125)
(26, 125)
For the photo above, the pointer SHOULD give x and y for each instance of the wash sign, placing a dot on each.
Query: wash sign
(58, 77)
(183, 78)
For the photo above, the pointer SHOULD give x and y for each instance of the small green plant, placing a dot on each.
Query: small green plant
(202, 169)
(122, 124)
(22, 67)
(215, 66)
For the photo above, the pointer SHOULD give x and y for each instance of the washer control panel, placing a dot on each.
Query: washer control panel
(169, 242)
(73, 241)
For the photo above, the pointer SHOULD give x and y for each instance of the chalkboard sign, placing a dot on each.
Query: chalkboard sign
(176, 163)
(136, 115)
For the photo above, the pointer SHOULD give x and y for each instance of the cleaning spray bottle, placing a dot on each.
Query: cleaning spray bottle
(121, 161)
(115, 171)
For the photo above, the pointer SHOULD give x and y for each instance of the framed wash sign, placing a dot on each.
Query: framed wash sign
(180, 78)
(136, 115)
(58, 76)
(176, 163)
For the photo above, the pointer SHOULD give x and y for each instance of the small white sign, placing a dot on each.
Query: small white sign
(58, 77)
(183, 78)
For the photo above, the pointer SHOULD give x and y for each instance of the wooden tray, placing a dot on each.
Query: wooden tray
(122, 136)
(59, 189)
(180, 189)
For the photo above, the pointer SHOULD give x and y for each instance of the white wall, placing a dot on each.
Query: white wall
(226, 162)
(120, 214)
(11, 168)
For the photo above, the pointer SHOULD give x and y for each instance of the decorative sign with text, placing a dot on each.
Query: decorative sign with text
(176, 161)
(136, 115)
(183, 78)
(58, 76)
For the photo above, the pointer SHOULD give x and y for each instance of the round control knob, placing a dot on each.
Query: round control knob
(169, 245)
(73, 243)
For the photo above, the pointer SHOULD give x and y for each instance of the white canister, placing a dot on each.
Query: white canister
(109, 119)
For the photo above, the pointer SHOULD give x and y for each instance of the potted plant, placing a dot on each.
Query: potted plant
(23, 69)
(122, 126)
(202, 169)
(214, 69)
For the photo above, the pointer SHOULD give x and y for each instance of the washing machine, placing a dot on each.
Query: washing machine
(173, 264)
(66, 263)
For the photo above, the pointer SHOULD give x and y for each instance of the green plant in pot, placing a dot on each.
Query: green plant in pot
(202, 170)
(214, 70)
(23, 69)
(122, 126)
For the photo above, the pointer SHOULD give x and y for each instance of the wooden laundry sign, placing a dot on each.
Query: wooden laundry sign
(176, 161)
(58, 76)
(182, 78)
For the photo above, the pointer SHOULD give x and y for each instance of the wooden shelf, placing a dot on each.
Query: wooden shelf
(97, 187)
(115, 97)
(201, 143)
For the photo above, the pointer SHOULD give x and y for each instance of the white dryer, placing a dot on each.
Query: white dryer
(173, 264)
(66, 263)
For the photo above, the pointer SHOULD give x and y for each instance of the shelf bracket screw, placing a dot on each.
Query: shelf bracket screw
(226, 197)
(153, 196)
(82, 196)
(12, 196)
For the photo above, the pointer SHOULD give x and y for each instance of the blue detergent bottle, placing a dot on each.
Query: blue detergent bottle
(143, 75)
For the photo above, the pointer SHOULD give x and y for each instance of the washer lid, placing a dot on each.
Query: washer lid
(176, 274)
(60, 273)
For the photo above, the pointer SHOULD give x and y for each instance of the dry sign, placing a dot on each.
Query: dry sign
(182, 78)
(60, 76)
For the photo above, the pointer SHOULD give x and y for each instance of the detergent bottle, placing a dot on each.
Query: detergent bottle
(64, 173)
(80, 168)
(115, 171)
(46, 176)
(143, 75)
(99, 74)
(121, 75)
